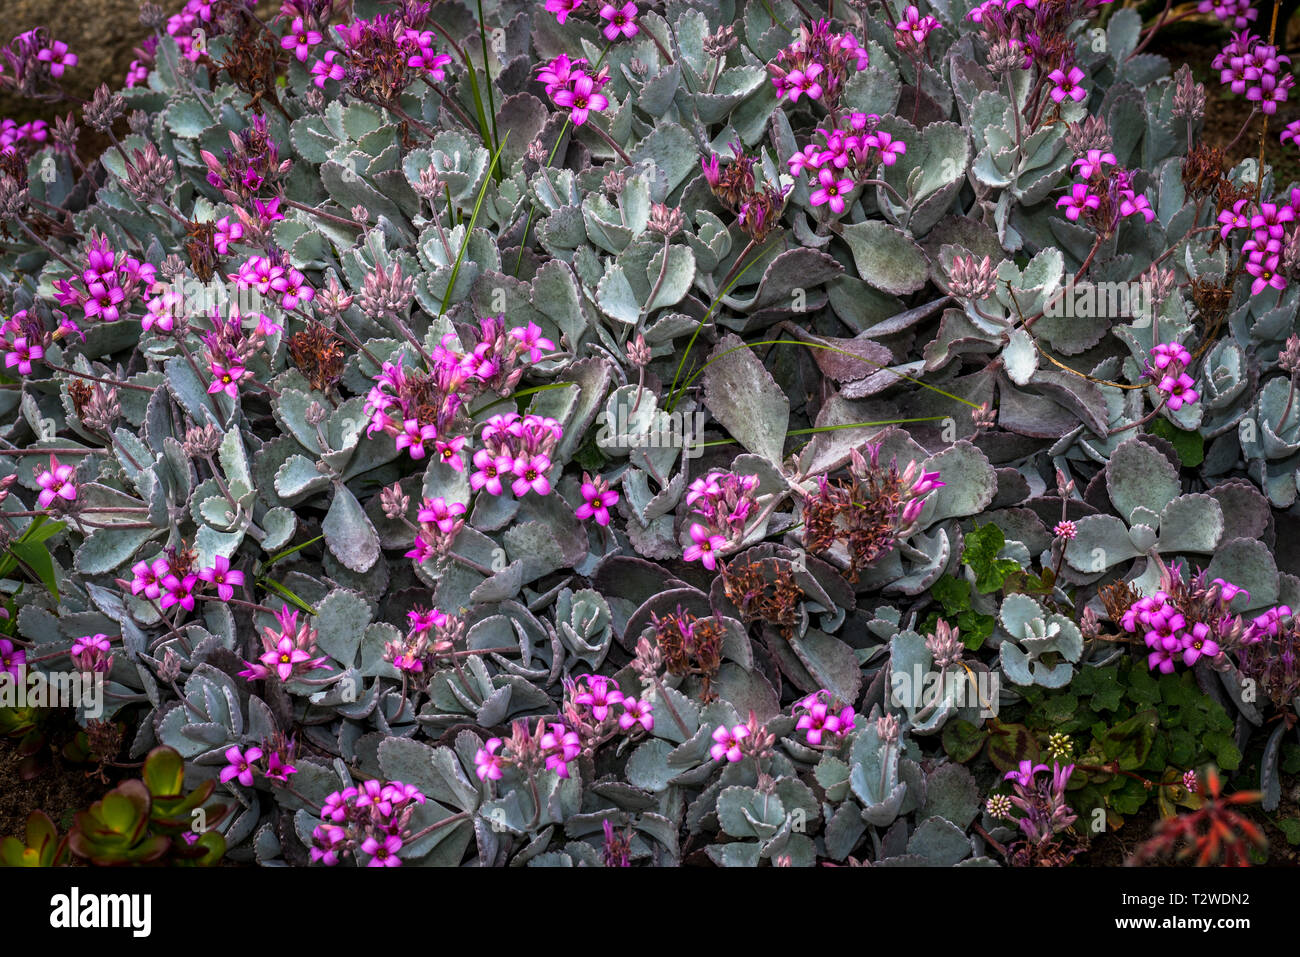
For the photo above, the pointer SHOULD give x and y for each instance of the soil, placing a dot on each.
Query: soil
(60, 791)
(103, 34)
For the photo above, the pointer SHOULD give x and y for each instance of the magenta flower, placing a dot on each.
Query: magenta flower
(162, 311)
(531, 475)
(330, 68)
(636, 712)
(562, 8)
(277, 770)
(226, 379)
(563, 746)
(832, 191)
(413, 436)
(622, 20)
(56, 482)
(804, 83)
(383, 854)
(284, 657)
(300, 40)
(490, 470)
(704, 548)
(437, 511)
(727, 742)
(597, 499)
(1025, 776)
(1078, 201)
(12, 658)
(58, 57)
(599, 694)
(240, 765)
(1094, 161)
(581, 99)
(223, 576)
(178, 591)
(1067, 85)
(22, 354)
(531, 339)
(449, 453)
(487, 763)
(92, 653)
(1199, 641)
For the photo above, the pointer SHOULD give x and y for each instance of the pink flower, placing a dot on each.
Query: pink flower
(564, 745)
(1067, 85)
(240, 765)
(178, 591)
(727, 742)
(1078, 200)
(58, 57)
(490, 470)
(283, 657)
(531, 472)
(622, 20)
(438, 512)
(413, 436)
(55, 483)
(329, 68)
(383, 854)
(223, 576)
(226, 379)
(599, 693)
(704, 547)
(531, 339)
(832, 190)
(581, 99)
(22, 353)
(598, 498)
(487, 763)
(449, 452)
(12, 658)
(300, 40)
(562, 8)
(636, 712)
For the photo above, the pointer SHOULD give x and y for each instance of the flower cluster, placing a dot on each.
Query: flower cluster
(552, 745)
(572, 88)
(288, 650)
(440, 522)
(822, 717)
(724, 502)
(1185, 620)
(1251, 66)
(596, 709)
(33, 63)
(384, 55)
(516, 445)
(270, 275)
(817, 65)
(1270, 654)
(242, 765)
(109, 284)
(1105, 194)
(869, 513)
(843, 159)
(430, 633)
(1271, 241)
(1044, 811)
(1169, 364)
(373, 819)
(230, 346)
(251, 164)
(1238, 14)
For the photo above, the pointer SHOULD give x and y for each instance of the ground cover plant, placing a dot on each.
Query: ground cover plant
(712, 432)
